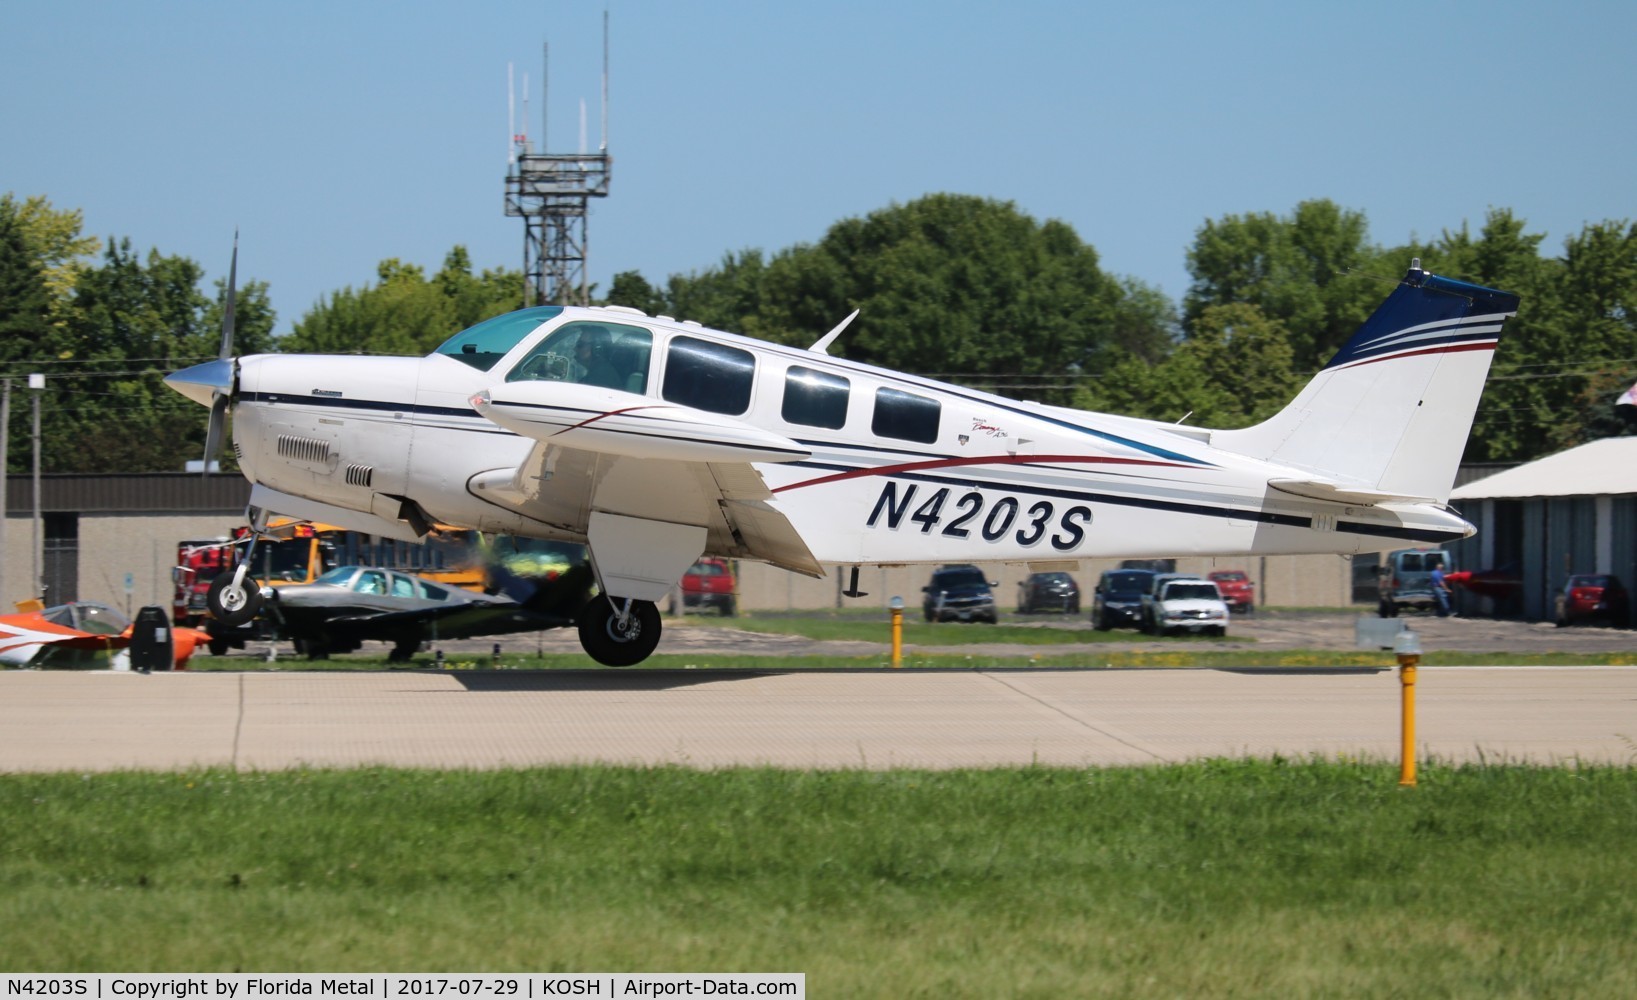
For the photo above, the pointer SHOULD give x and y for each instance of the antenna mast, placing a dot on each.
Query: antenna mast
(551, 192)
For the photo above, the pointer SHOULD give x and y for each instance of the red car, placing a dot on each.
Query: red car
(1593, 597)
(1238, 592)
(710, 583)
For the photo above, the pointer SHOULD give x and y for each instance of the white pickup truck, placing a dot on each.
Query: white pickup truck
(1190, 605)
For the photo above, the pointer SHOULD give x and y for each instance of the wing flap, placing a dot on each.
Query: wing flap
(563, 486)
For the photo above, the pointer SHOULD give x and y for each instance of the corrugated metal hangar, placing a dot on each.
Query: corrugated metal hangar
(1570, 513)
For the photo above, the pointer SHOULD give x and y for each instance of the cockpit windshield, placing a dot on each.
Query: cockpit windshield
(481, 346)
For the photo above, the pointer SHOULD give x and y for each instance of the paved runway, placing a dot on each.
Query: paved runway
(53, 721)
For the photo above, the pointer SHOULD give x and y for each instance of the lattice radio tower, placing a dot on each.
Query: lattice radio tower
(552, 192)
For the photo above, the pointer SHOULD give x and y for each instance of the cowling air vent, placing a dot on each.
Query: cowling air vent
(304, 449)
(360, 475)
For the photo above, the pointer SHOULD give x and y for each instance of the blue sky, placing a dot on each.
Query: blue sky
(336, 134)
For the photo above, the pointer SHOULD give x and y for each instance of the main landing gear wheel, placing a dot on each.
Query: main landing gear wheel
(233, 599)
(617, 640)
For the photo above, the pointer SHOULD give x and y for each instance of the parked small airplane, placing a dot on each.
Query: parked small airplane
(654, 441)
(79, 634)
(351, 604)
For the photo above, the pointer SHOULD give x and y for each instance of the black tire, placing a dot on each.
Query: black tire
(605, 641)
(218, 647)
(728, 608)
(230, 605)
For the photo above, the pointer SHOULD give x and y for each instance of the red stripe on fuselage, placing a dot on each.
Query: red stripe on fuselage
(601, 416)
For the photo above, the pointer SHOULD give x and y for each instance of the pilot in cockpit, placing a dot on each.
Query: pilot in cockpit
(591, 363)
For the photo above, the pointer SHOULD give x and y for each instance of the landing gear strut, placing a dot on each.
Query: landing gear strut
(618, 632)
(234, 596)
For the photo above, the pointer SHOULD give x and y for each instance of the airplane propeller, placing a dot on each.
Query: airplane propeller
(213, 382)
(221, 399)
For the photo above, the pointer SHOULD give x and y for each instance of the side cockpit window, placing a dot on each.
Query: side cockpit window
(608, 355)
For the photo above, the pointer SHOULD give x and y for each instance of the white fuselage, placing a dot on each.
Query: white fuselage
(916, 472)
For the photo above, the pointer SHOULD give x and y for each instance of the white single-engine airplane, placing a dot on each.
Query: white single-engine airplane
(654, 441)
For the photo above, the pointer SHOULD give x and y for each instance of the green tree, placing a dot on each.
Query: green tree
(964, 288)
(1527, 392)
(1314, 271)
(630, 288)
(405, 313)
(25, 326)
(131, 321)
(1232, 371)
(1599, 319)
(727, 297)
(54, 239)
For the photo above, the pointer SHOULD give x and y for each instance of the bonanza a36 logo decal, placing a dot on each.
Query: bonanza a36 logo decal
(960, 516)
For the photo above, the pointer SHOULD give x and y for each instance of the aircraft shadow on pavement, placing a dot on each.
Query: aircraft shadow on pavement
(601, 680)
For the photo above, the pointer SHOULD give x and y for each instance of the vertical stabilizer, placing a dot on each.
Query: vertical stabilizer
(1391, 412)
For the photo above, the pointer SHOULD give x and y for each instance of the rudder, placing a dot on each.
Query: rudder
(1390, 413)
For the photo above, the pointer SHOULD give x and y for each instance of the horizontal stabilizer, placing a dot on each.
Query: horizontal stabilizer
(1319, 489)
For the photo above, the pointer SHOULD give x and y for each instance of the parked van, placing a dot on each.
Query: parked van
(1406, 580)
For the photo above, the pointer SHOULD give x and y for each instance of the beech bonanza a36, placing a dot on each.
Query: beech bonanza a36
(654, 442)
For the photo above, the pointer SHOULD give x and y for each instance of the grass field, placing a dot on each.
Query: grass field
(1212, 879)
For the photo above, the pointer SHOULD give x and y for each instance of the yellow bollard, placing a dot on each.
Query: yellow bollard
(897, 606)
(1408, 648)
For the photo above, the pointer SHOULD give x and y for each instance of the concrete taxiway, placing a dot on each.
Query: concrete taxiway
(267, 720)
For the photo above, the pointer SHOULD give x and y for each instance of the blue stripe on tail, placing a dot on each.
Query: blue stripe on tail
(1427, 313)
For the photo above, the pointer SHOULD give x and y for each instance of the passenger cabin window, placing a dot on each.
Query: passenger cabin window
(709, 376)
(483, 345)
(815, 399)
(905, 416)
(610, 355)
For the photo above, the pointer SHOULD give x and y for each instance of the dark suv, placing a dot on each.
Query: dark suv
(959, 594)
(1118, 599)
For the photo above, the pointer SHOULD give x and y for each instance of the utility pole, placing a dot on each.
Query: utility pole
(5, 480)
(36, 384)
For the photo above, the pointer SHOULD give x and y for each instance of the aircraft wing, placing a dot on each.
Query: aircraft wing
(459, 621)
(20, 642)
(600, 451)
